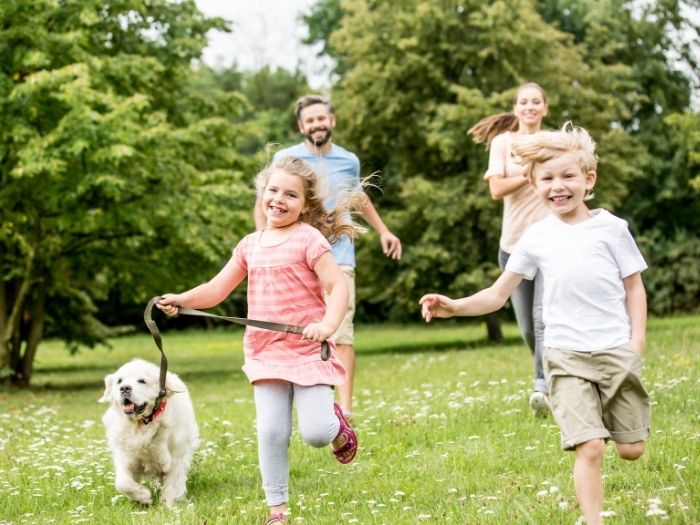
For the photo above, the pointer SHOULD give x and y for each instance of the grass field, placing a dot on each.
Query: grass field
(445, 437)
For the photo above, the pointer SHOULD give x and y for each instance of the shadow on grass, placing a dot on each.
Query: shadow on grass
(455, 344)
(97, 384)
(193, 369)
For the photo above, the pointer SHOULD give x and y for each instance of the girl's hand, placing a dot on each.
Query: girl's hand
(436, 305)
(317, 332)
(169, 303)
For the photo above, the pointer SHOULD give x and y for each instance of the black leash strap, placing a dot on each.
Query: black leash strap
(267, 325)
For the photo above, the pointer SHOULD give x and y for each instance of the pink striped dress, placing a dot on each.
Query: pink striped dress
(283, 288)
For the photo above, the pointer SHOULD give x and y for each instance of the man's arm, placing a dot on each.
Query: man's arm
(391, 245)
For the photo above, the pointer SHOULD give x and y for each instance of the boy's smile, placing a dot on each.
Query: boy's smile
(562, 185)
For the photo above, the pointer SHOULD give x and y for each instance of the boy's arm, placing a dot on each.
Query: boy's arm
(636, 302)
(484, 302)
(333, 283)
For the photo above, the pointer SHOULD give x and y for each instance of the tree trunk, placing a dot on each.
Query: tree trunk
(22, 374)
(493, 328)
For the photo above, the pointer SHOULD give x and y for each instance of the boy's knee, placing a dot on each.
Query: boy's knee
(631, 451)
(592, 450)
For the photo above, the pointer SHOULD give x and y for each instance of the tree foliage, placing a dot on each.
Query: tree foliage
(118, 176)
(416, 75)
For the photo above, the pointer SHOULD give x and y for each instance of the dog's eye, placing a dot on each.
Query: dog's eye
(142, 381)
(119, 381)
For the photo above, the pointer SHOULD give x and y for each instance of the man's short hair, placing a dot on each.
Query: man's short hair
(310, 100)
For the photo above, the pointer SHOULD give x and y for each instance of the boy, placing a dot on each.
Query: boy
(594, 308)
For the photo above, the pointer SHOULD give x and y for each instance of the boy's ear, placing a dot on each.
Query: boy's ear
(591, 178)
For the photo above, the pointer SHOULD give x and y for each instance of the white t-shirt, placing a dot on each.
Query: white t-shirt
(582, 266)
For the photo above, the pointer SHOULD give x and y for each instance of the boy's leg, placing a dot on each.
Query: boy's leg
(273, 407)
(630, 451)
(588, 481)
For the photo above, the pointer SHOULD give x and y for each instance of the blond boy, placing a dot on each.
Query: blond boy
(594, 308)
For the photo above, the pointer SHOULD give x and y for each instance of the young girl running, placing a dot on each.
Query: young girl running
(288, 264)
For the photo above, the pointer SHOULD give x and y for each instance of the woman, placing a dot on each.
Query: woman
(521, 208)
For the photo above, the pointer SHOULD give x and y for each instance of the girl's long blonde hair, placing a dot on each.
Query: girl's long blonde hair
(334, 223)
(489, 128)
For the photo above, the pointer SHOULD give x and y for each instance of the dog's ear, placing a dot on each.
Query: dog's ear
(107, 396)
(174, 385)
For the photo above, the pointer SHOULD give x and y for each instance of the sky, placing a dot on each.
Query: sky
(265, 32)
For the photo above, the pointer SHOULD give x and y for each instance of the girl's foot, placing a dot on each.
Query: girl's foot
(345, 443)
(279, 517)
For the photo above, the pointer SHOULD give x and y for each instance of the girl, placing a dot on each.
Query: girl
(289, 265)
(521, 208)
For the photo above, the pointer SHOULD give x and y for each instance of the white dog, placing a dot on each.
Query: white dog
(149, 440)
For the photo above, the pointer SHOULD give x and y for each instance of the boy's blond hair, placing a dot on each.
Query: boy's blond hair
(530, 150)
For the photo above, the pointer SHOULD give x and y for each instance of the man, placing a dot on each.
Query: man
(316, 121)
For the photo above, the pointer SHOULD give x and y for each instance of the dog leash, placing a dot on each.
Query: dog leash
(267, 325)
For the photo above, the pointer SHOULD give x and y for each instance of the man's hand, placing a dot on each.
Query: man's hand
(391, 245)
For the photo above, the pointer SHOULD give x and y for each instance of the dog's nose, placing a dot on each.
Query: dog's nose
(124, 389)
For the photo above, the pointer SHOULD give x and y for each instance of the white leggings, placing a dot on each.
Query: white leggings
(318, 426)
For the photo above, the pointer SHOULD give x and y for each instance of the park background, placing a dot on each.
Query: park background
(126, 162)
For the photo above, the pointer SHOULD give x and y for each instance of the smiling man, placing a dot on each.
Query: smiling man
(341, 170)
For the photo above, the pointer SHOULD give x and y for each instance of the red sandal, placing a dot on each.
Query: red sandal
(350, 445)
(276, 518)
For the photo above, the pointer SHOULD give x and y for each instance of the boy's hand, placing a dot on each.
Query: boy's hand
(317, 332)
(436, 305)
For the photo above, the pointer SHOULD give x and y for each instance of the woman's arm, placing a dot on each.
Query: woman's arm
(499, 184)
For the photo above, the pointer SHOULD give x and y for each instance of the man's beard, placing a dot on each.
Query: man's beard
(320, 142)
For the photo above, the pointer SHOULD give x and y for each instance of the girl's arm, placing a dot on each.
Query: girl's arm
(484, 302)
(499, 184)
(636, 302)
(208, 294)
(333, 282)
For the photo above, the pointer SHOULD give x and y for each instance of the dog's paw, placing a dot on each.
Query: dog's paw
(136, 492)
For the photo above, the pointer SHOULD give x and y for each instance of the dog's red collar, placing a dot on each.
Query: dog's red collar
(156, 412)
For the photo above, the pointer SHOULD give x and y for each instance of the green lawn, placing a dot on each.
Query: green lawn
(445, 437)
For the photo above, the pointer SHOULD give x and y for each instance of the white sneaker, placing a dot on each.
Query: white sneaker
(539, 403)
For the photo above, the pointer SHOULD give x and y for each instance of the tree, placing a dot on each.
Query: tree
(117, 174)
(417, 76)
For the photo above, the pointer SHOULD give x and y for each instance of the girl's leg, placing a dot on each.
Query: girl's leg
(588, 480)
(273, 407)
(318, 424)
